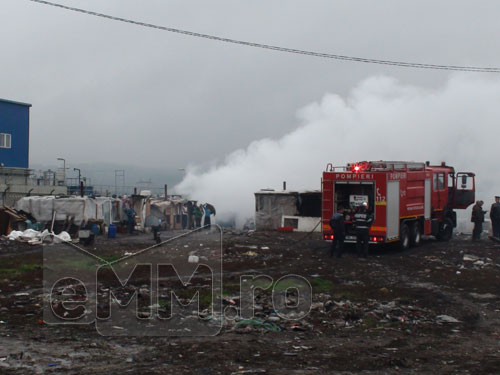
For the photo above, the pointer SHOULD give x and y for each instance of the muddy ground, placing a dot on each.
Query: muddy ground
(432, 309)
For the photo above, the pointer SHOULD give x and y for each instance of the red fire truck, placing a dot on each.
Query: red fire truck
(407, 199)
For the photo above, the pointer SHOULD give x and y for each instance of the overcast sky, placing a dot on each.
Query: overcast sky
(105, 90)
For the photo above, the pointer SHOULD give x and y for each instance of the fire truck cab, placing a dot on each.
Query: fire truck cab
(407, 199)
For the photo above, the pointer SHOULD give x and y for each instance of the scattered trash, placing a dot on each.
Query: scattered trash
(381, 303)
(249, 371)
(253, 323)
(193, 259)
(446, 319)
(285, 229)
(230, 301)
(34, 237)
(470, 258)
(250, 253)
(483, 296)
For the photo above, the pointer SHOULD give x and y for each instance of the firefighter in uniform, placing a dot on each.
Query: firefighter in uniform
(362, 222)
(495, 217)
(338, 226)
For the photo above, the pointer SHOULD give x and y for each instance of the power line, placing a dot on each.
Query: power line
(277, 48)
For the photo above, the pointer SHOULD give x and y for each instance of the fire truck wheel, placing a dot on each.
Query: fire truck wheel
(446, 230)
(404, 237)
(415, 234)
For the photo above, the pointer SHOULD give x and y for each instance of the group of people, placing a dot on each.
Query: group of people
(362, 221)
(478, 219)
(192, 215)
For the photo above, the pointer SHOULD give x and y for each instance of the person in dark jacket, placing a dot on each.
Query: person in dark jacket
(478, 219)
(154, 223)
(338, 226)
(363, 220)
(198, 214)
(131, 214)
(190, 215)
(209, 210)
(495, 217)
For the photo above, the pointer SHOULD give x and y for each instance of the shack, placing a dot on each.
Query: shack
(77, 209)
(298, 210)
(169, 211)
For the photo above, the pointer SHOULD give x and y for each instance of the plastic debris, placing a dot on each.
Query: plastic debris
(470, 258)
(254, 323)
(34, 237)
(446, 319)
(250, 253)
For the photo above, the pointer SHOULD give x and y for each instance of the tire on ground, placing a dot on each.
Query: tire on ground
(404, 235)
(415, 234)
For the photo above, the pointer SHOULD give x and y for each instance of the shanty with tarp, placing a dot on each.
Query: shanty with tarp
(33, 217)
(78, 210)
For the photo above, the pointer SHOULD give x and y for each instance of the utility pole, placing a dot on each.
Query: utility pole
(79, 175)
(119, 174)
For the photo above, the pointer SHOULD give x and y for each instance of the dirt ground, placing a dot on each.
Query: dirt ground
(431, 309)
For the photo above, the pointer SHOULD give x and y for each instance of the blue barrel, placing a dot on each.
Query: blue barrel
(94, 229)
(112, 231)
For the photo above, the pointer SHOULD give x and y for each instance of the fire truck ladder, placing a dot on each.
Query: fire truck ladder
(396, 166)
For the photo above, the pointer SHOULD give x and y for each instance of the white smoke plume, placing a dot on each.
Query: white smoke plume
(381, 118)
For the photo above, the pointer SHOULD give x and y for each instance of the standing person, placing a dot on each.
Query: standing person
(495, 217)
(208, 212)
(156, 230)
(363, 220)
(478, 219)
(184, 216)
(155, 223)
(338, 226)
(131, 220)
(198, 214)
(190, 213)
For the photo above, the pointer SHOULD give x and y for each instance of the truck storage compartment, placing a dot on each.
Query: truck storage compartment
(349, 195)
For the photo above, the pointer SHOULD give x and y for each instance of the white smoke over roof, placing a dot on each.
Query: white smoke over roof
(381, 118)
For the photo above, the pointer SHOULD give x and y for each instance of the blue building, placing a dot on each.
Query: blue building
(14, 134)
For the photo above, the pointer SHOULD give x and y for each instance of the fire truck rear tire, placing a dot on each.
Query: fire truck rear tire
(404, 235)
(415, 234)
